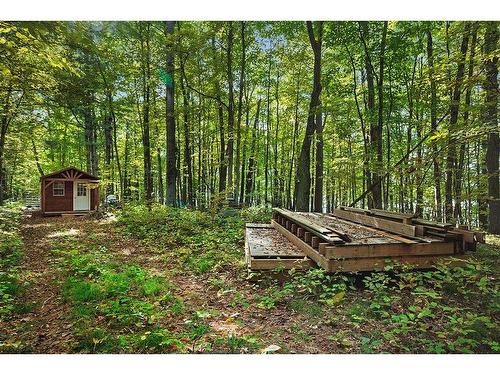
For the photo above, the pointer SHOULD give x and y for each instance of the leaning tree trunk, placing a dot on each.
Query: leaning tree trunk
(491, 121)
(303, 174)
(169, 107)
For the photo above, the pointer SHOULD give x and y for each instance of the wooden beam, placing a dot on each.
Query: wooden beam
(387, 225)
(308, 250)
(271, 264)
(391, 214)
(389, 250)
(378, 264)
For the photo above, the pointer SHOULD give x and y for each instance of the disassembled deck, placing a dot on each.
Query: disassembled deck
(351, 239)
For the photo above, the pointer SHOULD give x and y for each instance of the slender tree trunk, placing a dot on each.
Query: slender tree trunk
(457, 212)
(371, 110)
(146, 142)
(291, 204)
(303, 174)
(318, 175)
(250, 180)
(240, 113)
(454, 107)
(230, 109)
(434, 149)
(377, 134)
(268, 132)
(170, 119)
(188, 169)
(491, 121)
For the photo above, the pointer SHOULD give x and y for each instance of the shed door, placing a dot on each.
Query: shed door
(82, 197)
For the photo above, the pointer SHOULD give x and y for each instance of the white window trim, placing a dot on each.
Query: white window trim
(54, 189)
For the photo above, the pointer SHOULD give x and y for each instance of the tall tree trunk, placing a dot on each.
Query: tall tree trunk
(250, 180)
(303, 174)
(276, 188)
(377, 191)
(268, 132)
(318, 175)
(108, 151)
(170, 119)
(230, 109)
(457, 211)
(294, 141)
(435, 160)
(188, 169)
(146, 91)
(454, 107)
(491, 121)
(364, 32)
(240, 113)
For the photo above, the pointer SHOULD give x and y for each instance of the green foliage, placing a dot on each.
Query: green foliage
(206, 244)
(10, 256)
(257, 214)
(120, 297)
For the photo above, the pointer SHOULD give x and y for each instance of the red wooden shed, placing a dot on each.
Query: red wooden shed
(69, 190)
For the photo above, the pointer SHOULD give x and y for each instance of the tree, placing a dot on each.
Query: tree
(491, 122)
(170, 117)
(303, 174)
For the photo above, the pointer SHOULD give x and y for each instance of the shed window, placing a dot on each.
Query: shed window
(81, 190)
(58, 189)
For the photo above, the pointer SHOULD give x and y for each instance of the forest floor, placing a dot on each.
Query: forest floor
(175, 281)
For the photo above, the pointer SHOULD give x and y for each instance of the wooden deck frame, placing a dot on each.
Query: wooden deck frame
(361, 257)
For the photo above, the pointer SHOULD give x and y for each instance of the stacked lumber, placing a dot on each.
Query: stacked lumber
(351, 239)
(410, 226)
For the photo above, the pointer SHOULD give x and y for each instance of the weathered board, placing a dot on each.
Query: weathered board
(267, 249)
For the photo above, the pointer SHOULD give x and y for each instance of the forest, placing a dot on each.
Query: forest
(211, 132)
(303, 115)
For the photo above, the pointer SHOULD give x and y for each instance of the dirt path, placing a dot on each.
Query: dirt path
(51, 330)
(48, 325)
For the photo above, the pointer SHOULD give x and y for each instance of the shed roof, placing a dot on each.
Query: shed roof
(83, 175)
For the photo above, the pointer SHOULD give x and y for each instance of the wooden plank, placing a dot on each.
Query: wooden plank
(389, 250)
(432, 223)
(355, 209)
(258, 225)
(387, 225)
(374, 264)
(271, 264)
(302, 220)
(308, 250)
(391, 214)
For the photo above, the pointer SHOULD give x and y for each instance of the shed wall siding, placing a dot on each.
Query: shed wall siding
(55, 204)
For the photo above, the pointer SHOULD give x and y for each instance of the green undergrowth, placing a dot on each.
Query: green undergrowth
(194, 239)
(117, 307)
(10, 256)
(445, 310)
(11, 286)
